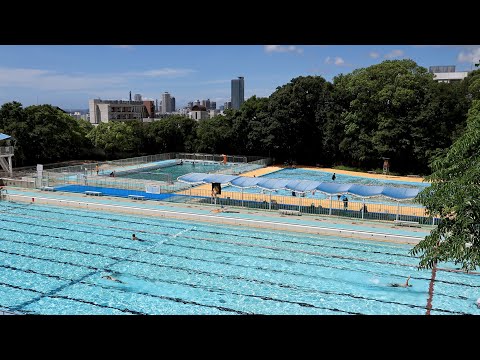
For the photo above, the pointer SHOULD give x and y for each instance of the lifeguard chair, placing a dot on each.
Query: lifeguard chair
(386, 165)
(6, 153)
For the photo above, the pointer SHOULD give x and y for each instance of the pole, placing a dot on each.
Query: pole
(398, 209)
(330, 211)
(363, 206)
(270, 205)
(242, 196)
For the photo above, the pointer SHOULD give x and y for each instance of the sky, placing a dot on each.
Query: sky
(68, 76)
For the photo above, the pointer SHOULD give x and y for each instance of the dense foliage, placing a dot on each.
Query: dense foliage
(393, 109)
(455, 196)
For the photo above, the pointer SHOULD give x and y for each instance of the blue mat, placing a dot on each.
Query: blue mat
(113, 192)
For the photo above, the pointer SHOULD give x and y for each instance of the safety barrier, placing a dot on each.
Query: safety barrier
(355, 209)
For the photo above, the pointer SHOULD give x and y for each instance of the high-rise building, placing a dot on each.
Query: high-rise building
(190, 105)
(172, 102)
(196, 103)
(213, 105)
(137, 97)
(227, 105)
(156, 105)
(166, 103)
(206, 103)
(238, 96)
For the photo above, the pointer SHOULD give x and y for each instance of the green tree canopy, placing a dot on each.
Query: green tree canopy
(455, 196)
(171, 134)
(43, 133)
(116, 137)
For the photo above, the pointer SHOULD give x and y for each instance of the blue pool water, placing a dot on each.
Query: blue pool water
(176, 170)
(52, 260)
(317, 175)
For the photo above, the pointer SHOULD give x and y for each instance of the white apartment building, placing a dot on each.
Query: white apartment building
(115, 110)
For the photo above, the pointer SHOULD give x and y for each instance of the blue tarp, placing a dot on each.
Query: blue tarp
(273, 184)
(201, 178)
(329, 188)
(195, 178)
(245, 181)
(302, 185)
(365, 190)
(333, 188)
(219, 178)
(400, 193)
(4, 136)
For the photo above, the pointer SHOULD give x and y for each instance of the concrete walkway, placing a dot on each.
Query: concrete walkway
(324, 225)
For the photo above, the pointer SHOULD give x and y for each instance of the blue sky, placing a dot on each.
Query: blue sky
(67, 76)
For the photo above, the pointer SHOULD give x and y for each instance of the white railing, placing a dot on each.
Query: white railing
(310, 206)
(6, 150)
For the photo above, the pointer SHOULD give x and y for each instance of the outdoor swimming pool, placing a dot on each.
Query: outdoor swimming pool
(176, 170)
(316, 175)
(52, 260)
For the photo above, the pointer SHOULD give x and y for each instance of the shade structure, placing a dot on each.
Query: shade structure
(302, 185)
(329, 188)
(219, 178)
(365, 191)
(245, 182)
(193, 178)
(273, 184)
(399, 193)
(4, 136)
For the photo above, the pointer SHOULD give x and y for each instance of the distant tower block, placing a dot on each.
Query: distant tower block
(6, 153)
(386, 165)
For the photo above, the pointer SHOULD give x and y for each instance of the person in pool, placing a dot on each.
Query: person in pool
(402, 285)
(111, 278)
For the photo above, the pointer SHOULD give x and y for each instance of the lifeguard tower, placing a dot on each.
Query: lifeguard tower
(386, 165)
(6, 153)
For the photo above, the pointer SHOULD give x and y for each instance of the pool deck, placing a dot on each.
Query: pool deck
(205, 190)
(323, 225)
(364, 174)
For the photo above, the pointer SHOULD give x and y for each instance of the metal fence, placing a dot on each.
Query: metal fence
(6, 150)
(302, 205)
(86, 175)
(212, 157)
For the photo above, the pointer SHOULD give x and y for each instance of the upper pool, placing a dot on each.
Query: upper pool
(323, 176)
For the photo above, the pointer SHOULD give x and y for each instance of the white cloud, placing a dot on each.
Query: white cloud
(471, 56)
(282, 48)
(374, 54)
(335, 60)
(39, 79)
(393, 54)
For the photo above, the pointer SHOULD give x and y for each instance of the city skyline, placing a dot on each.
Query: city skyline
(68, 76)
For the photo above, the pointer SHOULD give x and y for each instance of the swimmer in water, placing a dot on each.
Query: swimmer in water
(111, 278)
(402, 285)
(135, 238)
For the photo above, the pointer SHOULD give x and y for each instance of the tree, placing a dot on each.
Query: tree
(171, 134)
(118, 138)
(454, 195)
(215, 135)
(380, 103)
(43, 133)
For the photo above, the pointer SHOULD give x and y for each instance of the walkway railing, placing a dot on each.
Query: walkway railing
(312, 206)
(6, 150)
